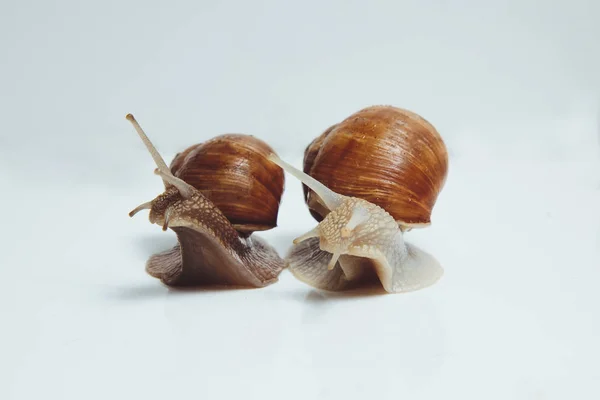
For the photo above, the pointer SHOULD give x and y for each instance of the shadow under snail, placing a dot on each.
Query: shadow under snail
(216, 194)
(367, 180)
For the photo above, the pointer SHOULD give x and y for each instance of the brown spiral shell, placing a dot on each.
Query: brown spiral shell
(233, 172)
(386, 155)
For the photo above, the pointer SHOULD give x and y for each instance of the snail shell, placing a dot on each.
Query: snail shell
(233, 172)
(210, 251)
(386, 155)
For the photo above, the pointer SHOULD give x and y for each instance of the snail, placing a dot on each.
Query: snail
(216, 194)
(366, 181)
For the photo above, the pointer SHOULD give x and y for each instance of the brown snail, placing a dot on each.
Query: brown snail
(386, 155)
(216, 194)
(367, 180)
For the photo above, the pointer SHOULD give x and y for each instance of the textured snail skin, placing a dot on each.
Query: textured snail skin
(386, 155)
(353, 240)
(210, 251)
(409, 270)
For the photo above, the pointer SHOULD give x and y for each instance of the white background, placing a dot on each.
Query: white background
(513, 88)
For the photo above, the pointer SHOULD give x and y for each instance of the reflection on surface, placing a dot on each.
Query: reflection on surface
(373, 290)
(150, 290)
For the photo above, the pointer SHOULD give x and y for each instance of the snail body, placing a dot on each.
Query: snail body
(212, 250)
(367, 180)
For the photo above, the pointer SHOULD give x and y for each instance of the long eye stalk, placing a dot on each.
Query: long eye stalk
(163, 170)
(331, 199)
(160, 163)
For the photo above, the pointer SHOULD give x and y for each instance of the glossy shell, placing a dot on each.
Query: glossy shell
(386, 155)
(233, 172)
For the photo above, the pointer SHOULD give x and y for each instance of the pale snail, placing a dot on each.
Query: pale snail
(367, 180)
(216, 194)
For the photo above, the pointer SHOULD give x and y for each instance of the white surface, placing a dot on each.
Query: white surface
(517, 228)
